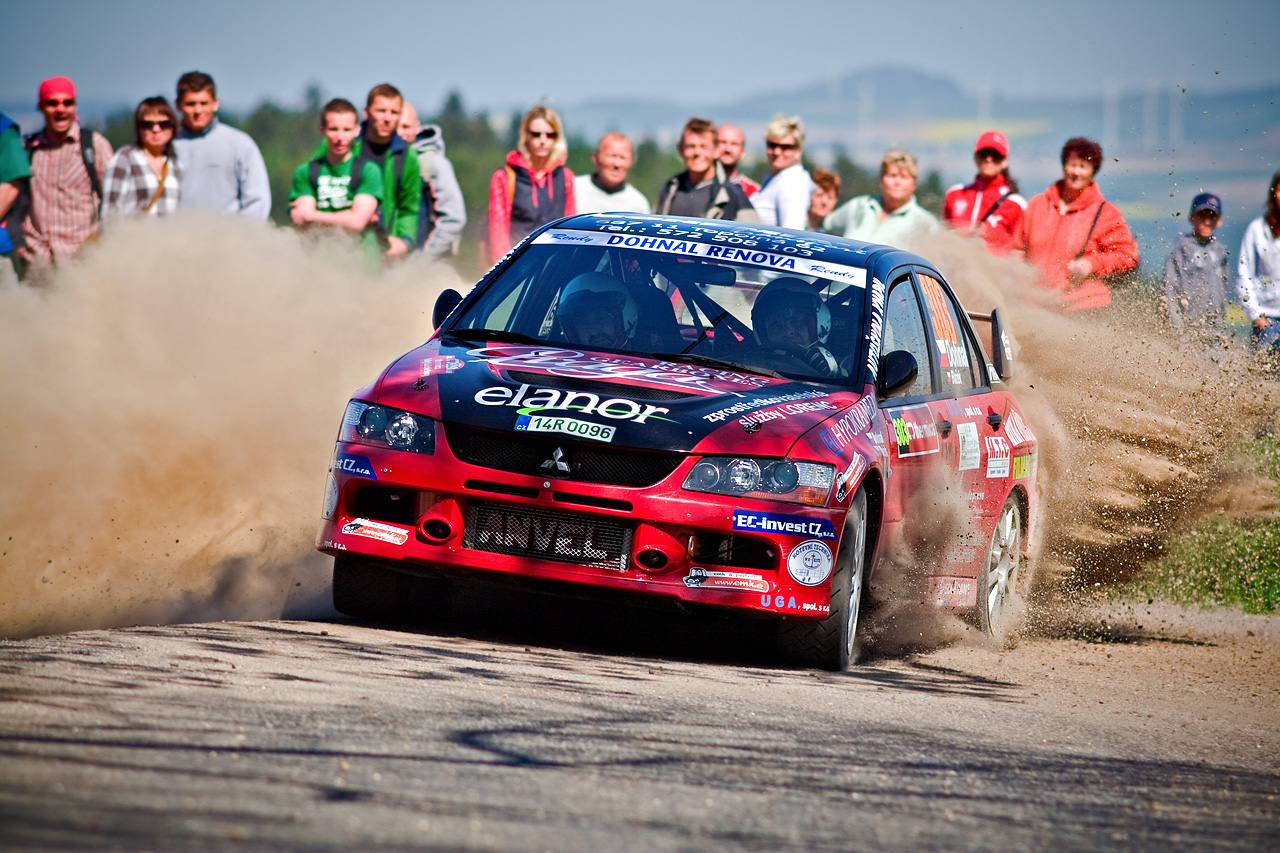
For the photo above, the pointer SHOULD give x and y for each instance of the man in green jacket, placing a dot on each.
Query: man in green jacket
(379, 144)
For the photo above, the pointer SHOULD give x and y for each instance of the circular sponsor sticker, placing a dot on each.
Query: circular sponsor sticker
(810, 562)
(330, 496)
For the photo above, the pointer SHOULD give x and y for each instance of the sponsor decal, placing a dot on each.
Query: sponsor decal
(974, 497)
(1016, 428)
(788, 257)
(528, 403)
(960, 554)
(356, 466)
(876, 328)
(568, 426)
(857, 420)
(973, 412)
(850, 475)
(783, 411)
(574, 364)
(787, 525)
(759, 403)
(997, 456)
(330, 495)
(953, 592)
(700, 578)
(376, 530)
(809, 562)
(788, 602)
(438, 364)
(915, 431)
(953, 408)
(335, 546)
(1023, 465)
(970, 448)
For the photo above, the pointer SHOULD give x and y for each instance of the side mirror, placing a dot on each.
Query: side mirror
(898, 370)
(445, 303)
(1001, 351)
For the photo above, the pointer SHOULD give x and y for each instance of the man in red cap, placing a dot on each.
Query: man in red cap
(990, 206)
(67, 165)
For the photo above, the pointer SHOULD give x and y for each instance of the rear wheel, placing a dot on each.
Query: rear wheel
(833, 642)
(1002, 582)
(366, 590)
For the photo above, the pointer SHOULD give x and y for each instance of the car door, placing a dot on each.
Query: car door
(968, 411)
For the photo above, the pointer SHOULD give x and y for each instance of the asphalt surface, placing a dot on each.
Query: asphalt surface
(344, 736)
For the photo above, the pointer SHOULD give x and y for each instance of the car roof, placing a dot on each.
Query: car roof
(824, 247)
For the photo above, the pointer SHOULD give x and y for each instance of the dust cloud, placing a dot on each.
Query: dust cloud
(170, 400)
(1134, 429)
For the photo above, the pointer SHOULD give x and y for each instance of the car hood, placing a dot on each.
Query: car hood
(648, 403)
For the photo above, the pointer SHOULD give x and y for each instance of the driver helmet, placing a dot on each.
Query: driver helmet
(791, 298)
(597, 309)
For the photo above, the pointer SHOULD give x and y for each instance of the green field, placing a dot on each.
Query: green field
(1224, 560)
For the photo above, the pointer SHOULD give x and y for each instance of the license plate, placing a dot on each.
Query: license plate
(568, 426)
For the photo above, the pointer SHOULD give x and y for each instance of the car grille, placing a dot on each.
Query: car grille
(547, 535)
(518, 454)
(593, 386)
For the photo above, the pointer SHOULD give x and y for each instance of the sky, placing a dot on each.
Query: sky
(502, 56)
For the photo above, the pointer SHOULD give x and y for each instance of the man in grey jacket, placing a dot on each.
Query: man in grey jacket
(222, 167)
(443, 213)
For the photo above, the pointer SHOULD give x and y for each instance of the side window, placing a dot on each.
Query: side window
(904, 329)
(956, 359)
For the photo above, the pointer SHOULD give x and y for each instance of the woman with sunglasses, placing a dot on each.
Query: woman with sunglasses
(534, 187)
(990, 207)
(783, 198)
(144, 178)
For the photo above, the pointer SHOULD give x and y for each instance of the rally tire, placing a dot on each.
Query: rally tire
(1003, 582)
(366, 590)
(833, 643)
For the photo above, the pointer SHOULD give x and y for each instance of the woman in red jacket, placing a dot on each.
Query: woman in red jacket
(990, 206)
(1076, 237)
(534, 187)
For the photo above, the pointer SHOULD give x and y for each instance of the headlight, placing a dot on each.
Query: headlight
(384, 427)
(767, 479)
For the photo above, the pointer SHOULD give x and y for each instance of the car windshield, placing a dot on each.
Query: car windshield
(676, 300)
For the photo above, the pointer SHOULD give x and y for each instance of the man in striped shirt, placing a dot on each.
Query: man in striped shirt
(64, 194)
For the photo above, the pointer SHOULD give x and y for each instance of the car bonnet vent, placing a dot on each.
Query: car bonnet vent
(592, 386)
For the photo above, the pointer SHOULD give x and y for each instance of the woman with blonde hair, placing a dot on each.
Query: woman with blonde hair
(783, 198)
(893, 218)
(534, 187)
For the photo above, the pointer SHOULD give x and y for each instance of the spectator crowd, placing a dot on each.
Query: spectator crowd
(380, 174)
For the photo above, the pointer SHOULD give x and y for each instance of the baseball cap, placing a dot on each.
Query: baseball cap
(993, 139)
(1206, 201)
(57, 86)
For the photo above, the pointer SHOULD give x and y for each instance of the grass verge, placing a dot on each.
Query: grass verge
(1223, 561)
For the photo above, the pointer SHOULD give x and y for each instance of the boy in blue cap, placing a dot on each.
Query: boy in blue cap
(1197, 276)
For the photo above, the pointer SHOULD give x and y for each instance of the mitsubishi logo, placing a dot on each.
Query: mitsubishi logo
(557, 463)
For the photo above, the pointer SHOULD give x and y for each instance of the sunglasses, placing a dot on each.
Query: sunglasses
(65, 102)
(543, 134)
(781, 146)
(162, 124)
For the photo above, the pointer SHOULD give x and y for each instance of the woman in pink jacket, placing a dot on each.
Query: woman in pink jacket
(1076, 237)
(534, 187)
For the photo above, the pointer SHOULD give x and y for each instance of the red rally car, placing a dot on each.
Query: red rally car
(715, 413)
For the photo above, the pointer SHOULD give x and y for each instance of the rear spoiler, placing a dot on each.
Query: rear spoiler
(1001, 352)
